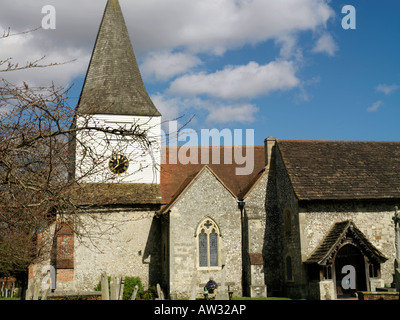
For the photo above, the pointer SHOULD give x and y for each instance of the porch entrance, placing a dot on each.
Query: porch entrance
(350, 255)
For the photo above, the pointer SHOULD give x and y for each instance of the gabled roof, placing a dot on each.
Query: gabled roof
(335, 170)
(113, 83)
(174, 174)
(335, 237)
(190, 181)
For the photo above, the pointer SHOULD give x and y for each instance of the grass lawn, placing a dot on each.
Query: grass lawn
(263, 298)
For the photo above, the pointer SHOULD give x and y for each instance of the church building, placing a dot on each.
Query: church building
(307, 210)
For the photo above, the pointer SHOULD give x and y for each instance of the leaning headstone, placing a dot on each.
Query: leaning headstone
(112, 288)
(117, 287)
(135, 291)
(159, 292)
(29, 293)
(105, 295)
(121, 290)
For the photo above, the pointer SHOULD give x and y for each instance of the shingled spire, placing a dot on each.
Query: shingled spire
(113, 83)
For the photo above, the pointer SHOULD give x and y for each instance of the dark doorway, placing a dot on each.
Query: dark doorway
(350, 255)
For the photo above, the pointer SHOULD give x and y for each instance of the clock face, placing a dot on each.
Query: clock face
(118, 164)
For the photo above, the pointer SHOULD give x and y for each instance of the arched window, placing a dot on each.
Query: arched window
(208, 244)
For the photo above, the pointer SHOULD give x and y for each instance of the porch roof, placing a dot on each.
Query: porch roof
(336, 236)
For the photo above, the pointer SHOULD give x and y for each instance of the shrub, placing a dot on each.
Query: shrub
(129, 287)
(150, 294)
(130, 283)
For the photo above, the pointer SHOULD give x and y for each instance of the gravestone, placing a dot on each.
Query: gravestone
(105, 295)
(159, 292)
(194, 292)
(222, 293)
(121, 288)
(135, 291)
(112, 288)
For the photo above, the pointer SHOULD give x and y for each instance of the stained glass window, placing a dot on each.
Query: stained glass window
(208, 234)
(213, 249)
(203, 249)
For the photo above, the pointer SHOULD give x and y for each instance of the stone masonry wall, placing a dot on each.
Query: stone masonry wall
(120, 242)
(373, 219)
(206, 197)
(288, 210)
(305, 224)
(254, 229)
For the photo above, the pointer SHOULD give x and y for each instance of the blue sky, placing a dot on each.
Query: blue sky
(283, 68)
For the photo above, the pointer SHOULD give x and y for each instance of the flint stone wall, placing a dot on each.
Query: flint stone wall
(205, 198)
(120, 242)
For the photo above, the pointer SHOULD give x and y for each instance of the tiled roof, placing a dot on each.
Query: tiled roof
(186, 184)
(334, 170)
(175, 177)
(113, 83)
(335, 237)
(102, 194)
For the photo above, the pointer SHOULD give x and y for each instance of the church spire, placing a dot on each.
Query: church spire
(113, 83)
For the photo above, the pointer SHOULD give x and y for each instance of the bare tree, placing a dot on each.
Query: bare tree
(39, 131)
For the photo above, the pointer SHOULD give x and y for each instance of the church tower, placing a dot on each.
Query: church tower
(114, 97)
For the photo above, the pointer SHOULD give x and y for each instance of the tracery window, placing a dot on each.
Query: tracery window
(208, 244)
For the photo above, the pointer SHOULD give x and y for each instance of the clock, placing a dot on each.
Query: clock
(118, 164)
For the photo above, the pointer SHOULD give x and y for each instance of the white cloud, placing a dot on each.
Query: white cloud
(325, 44)
(215, 111)
(289, 47)
(169, 107)
(26, 48)
(387, 89)
(233, 113)
(375, 106)
(217, 26)
(163, 66)
(193, 27)
(168, 38)
(235, 82)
